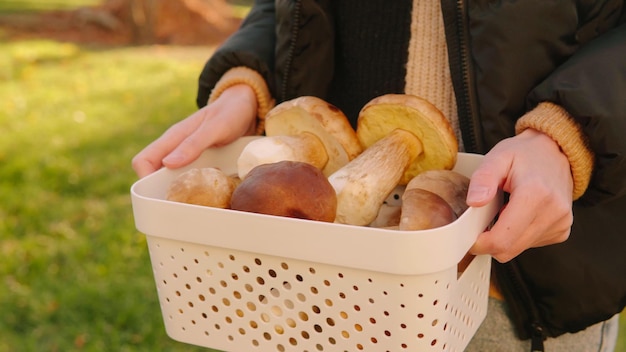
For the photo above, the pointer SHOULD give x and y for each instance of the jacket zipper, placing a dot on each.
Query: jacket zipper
(518, 290)
(454, 12)
(469, 132)
(537, 338)
(295, 29)
(455, 20)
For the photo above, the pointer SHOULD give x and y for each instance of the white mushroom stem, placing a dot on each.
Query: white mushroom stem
(304, 147)
(363, 184)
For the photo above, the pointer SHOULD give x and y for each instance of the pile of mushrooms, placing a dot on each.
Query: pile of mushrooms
(394, 171)
(306, 129)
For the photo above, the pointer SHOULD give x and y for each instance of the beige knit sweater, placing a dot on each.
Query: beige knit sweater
(428, 76)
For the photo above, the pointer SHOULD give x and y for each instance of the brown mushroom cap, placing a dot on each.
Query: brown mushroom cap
(287, 188)
(383, 114)
(316, 116)
(203, 186)
(422, 210)
(448, 184)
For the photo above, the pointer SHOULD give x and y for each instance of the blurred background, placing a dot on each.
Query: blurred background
(85, 85)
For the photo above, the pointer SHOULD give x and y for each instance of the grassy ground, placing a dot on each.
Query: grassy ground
(75, 274)
(42, 5)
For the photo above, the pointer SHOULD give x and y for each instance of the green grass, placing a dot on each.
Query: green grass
(44, 5)
(240, 7)
(74, 273)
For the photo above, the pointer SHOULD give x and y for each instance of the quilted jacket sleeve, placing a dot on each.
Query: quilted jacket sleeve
(590, 86)
(251, 46)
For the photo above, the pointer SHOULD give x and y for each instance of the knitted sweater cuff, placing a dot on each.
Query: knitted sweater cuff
(245, 75)
(555, 121)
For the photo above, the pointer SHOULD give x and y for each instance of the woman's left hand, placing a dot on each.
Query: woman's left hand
(536, 174)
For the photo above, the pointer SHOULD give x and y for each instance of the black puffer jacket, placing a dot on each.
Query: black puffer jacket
(506, 56)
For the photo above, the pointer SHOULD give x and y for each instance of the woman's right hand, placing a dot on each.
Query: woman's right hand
(230, 116)
(533, 169)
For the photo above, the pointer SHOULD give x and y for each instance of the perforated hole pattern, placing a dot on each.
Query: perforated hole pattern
(237, 301)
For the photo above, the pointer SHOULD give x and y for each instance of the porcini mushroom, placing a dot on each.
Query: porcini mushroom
(403, 136)
(305, 129)
(287, 188)
(448, 184)
(422, 210)
(207, 186)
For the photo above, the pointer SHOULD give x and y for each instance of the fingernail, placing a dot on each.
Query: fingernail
(173, 159)
(477, 194)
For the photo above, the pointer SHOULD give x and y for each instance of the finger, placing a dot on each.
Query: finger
(510, 235)
(144, 166)
(487, 178)
(151, 157)
(190, 148)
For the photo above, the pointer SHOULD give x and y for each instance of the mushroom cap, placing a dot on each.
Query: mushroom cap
(287, 188)
(304, 147)
(385, 113)
(324, 120)
(422, 210)
(206, 186)
(450, 185)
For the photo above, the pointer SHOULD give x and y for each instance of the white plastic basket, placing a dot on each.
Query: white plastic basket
(237, 281)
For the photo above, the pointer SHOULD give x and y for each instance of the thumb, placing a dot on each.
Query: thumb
(486, 180)
(188, 151)
(178, 158)
(200, 137)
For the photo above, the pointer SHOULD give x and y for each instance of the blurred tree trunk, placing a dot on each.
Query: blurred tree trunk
(142, 13)
(154, 21)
